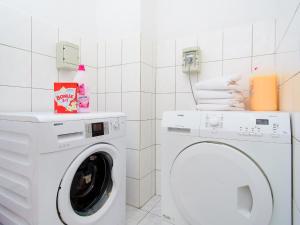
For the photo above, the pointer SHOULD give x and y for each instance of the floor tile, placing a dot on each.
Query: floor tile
(134, 215)
(156, 210)
(151, 204)
(151, 219)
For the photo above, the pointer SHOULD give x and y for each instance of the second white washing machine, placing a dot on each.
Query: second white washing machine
(230, 168)
(62, 169)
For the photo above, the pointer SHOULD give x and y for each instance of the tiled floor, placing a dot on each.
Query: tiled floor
(148, 215)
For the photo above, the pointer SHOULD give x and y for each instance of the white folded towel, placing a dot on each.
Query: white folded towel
(223, 83)
(225, 94)
(217, 107)
(228, 101)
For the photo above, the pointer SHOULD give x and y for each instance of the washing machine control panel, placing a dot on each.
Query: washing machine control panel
(261, 126)
(96, 129)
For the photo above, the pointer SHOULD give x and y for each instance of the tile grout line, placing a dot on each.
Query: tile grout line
(31, 89)
(252, 49)
(140, 123)
(288, 27)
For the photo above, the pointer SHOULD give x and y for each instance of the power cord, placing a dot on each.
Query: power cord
(191, 85)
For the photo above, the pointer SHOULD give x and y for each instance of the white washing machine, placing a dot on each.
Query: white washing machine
(62, 169)
(230, 168)
(296, 157)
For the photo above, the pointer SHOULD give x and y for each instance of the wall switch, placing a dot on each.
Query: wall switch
(191, 60)
(67, 55)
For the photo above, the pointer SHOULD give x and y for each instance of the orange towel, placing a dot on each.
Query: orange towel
(264, 93)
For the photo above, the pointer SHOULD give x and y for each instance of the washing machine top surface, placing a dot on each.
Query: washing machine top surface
(42, 117)
(271, 127)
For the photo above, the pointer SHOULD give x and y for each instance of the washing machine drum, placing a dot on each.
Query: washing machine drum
(217, 184)
(89, 186)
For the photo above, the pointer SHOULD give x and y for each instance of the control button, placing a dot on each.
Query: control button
(214, 121)
(116, 125)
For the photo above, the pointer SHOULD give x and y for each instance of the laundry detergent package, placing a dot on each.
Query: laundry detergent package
(65, 97)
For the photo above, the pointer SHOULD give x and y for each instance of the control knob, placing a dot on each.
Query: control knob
(214, 121)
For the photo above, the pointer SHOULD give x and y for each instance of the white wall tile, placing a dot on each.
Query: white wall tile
(15, 28)
(113, 79)
(210, 70)
(147, 107)
(287, 65)
(93, 102)
(165, 53)
(185, 101)
(158, 158)
(66, 75)
(133, 134)
(44, 37)
(263, 65)
(131, 74)
(237, 42)
(113, 102)
(210, 44)
(264, 37)
(89, 51)
(101, 53)
(241, 67)
(158, 182)
(147, 161)
(101, 80)
(165, 80)
(44, 72)
(147, 51)
(146, 134)
(113, 52)
(133, 163)
(15, 67)
(147, 78)
(164, 102)
(131, 105)
(101, 103)
(131, 50)
(158, 129)
(181, 44)
(183, 81)
(16, 99)
(133, 192)
(147, 187)
(42, 100)
(291, 40)
(68, 35)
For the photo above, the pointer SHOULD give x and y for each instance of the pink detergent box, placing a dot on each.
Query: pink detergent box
(65, 97)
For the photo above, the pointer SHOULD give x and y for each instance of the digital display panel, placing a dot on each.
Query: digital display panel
(262, 122)
(97, 129)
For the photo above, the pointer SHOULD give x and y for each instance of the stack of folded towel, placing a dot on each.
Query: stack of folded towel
(220, 94)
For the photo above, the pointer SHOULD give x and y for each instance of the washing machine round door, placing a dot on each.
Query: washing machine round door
(216, 184)
(89, 186)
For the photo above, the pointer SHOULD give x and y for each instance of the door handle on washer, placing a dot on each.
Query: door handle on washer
(244, 201)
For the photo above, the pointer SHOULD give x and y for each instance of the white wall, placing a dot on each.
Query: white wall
(76, 15)
(118, 18)
(177, 18)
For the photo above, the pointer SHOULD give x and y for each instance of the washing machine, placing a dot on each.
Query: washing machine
(226, 168)
(62, 169)
(296, 171)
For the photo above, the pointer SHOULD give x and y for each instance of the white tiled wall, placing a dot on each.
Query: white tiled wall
(117, 78)
(288, 63)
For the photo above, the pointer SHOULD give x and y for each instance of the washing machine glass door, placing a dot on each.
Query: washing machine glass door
(89, 185)
(216, 184)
